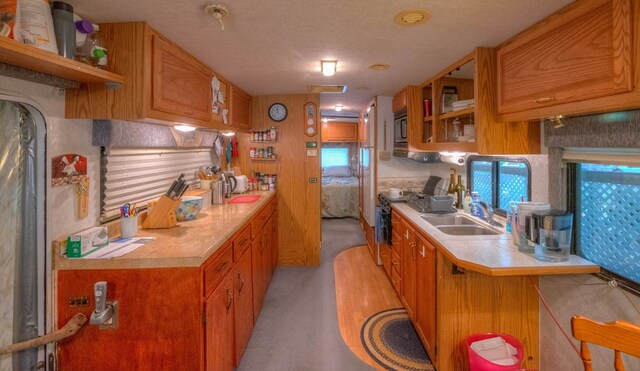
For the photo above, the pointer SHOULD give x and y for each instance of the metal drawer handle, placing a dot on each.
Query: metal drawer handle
(229, 299)
(544, 100)
(222, 267)
(241, 282)
(422, 252)
(406, 234)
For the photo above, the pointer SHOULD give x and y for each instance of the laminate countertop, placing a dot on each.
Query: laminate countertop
(189, 244)
(493, 255)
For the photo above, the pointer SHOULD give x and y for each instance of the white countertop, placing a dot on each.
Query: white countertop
(492, 255)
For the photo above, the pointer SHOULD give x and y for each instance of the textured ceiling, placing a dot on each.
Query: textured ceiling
(275, 46)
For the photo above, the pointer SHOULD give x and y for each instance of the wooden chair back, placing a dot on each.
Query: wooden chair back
(621, 336)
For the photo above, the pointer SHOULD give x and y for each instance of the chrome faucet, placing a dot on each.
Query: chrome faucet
(488, 213)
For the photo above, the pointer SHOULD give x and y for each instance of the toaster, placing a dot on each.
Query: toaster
(243, 184)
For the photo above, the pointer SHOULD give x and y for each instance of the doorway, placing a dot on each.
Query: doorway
(24, 267)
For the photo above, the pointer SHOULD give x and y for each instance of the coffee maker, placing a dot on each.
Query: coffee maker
(550, 233)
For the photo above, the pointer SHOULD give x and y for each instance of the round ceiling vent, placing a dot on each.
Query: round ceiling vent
(412, 17)
(379, 67)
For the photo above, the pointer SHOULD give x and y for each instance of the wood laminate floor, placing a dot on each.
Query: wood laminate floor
(362, 289)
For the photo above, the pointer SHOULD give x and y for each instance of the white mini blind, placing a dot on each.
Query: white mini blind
(623, 157)
(140, 175)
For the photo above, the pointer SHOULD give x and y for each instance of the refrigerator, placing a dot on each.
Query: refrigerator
(23, 273)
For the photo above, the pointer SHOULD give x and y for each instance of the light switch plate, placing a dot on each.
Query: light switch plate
(312, 153)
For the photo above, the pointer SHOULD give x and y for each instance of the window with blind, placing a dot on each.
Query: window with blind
(499, 181)
(603, 192)
(335, 157)
(140, 175)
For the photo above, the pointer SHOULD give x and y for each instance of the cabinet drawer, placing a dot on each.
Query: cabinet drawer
(395, 222)
(395, 242)
(241, 243)
(259, 220)
(395, 260)
(217, 269)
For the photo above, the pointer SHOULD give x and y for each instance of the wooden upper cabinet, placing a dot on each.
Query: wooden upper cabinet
(580, 53)
(161, 82)
(339, 132)
(400, 101)
(181, 85)
(240, 108)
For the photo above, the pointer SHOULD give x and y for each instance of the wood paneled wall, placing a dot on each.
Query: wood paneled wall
(298, 200)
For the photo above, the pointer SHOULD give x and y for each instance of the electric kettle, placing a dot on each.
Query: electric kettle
(230, 183)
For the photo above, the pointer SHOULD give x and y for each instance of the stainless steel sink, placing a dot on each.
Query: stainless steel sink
(466, 230)
(449, 220)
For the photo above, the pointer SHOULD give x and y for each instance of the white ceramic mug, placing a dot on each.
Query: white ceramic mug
(395, 192)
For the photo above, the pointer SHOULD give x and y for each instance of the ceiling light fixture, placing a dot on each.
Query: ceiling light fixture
(338, 107)
(217, 11)
(328, 67)
(184, 128)
(379, 67)
(228, 133)
(412, 17)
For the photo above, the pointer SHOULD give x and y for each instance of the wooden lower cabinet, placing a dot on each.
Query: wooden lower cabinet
(409, 265)
(446, 304)
(182, 318)
(385, 256)
(242, 304)
(425, 316)
(219, 329)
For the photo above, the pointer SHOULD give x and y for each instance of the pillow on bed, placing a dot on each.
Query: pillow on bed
(337, 171)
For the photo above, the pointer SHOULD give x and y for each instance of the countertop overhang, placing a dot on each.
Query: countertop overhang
(491, 255)
(189, 244)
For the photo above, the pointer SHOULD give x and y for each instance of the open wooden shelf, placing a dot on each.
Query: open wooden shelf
(428, 118)
(26, 56)
(262, 159)
(263, 141)
(462, 112)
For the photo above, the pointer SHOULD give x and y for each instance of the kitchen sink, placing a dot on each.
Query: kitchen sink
(449, 220)
(466, 230)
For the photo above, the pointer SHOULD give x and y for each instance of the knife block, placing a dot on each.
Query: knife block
(163, 214)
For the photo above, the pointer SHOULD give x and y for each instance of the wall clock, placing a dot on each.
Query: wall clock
(277, 112)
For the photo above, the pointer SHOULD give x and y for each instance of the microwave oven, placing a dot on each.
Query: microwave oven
(400, 129)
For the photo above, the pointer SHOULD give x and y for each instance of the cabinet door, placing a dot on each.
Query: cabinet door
(259, 286)
(181, 85)
(339, 132)
(582, 52)
(240, 108)
(219, 327)
(400, 101)
(274, 241)
(243, 304)
(409, 262)
(426, 300)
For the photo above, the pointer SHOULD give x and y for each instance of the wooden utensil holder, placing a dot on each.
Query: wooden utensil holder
(163, 214)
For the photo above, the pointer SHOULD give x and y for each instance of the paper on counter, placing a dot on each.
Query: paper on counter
(119, 247)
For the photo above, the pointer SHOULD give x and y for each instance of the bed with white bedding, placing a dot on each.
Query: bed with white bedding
(339, 195)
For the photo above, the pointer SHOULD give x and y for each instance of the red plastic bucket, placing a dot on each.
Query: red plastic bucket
(478, 363)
